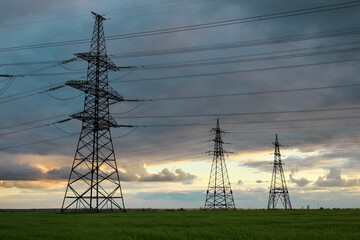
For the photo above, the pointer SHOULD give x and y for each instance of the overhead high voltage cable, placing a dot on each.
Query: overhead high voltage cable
(87, 15)
(238, 44)
(256, 42)
(200, 115)
(205, 63)
(55, 86)
(18, 95)
(251, 122)
(255, 93)
(38, 126)
(237, 71)
(243, 113)
(32, 72)
(30, 93)
(214, 61)
(305, 11)
(37, 142)
(196, 63)
(198, 124)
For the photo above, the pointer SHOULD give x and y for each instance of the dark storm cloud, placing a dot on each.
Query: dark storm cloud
(20, 12)
(157, 145)
(20, 172)
(26, 172)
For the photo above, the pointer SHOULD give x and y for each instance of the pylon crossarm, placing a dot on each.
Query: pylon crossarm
(113, 95)
(78, 84)
(102, 60)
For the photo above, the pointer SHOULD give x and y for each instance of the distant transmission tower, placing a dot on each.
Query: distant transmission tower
(278, 188)
(94, 182)
(219, 194)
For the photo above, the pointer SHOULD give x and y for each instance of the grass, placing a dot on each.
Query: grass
(241, 224)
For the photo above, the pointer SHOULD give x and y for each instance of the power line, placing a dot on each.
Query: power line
(256, 42)
(202, 62)
(239, 44)
(7, 85)
(206, 62)
(215, 96)
(34, 121)
(32, 63)
(33, 72)
(245, 113)
(81, 15)
(167, 125)
(38, 126)
(255, 93)
(21, 95)
(237, 71)
(252, 122)
(204, 115)
(37, 142)
(64, 99)
(149, 67)
(30, 93)
(304, 11)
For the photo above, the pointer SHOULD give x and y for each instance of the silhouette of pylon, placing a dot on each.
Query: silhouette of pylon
(219, 194)
(278, 188)
(94, 182)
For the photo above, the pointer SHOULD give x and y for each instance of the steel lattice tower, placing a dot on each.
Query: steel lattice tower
(94, 182)
(219, 194)
(278, 188)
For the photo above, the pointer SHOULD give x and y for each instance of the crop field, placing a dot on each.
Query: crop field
(240, 224)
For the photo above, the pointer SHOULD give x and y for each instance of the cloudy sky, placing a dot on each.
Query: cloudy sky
(285, 67)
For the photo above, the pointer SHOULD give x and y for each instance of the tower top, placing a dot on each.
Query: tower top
(96, 15)
(276, 143)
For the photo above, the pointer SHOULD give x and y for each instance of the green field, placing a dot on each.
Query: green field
(240, 224)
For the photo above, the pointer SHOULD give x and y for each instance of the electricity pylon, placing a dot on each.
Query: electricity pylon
(278, 188)
(94, 182)
(219, 194)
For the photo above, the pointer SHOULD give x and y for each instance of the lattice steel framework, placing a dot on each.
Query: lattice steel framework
(219, 194)
(94, 182)
(278, 188)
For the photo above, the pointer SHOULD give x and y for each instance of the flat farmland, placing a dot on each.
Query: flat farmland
(195, 224)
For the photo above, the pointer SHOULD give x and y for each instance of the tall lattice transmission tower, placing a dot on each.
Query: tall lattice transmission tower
(219, 194)
(278, 188)
(94, 182)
